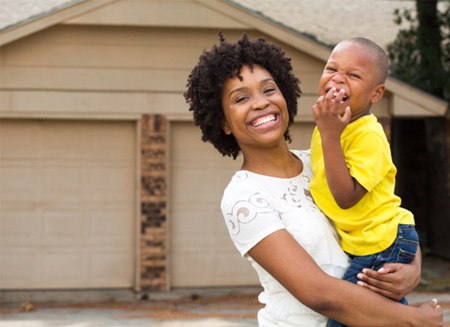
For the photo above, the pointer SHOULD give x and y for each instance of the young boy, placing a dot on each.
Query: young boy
(354, 176)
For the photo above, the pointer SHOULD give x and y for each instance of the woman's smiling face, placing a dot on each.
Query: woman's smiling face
(254, 108)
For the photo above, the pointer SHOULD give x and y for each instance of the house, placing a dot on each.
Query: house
(105, 182)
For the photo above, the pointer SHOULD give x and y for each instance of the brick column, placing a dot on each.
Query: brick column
(154, 233)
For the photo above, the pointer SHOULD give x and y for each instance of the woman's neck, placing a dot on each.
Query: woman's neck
(275, 163)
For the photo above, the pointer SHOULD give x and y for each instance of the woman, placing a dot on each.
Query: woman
(244, 98)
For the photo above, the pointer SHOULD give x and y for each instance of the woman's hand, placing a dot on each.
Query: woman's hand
(431, 313)
(393, 280)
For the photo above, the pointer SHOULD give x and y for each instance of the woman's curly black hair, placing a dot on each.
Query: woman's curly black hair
(224, 61)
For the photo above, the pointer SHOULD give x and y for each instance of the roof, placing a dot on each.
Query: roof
(371, 18)
(330, 21)
(15, 12)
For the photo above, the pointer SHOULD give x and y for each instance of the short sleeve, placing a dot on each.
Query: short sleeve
(248, 213)
(369, 160)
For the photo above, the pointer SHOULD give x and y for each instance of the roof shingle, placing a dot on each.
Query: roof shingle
(331, 21)
(15, 12)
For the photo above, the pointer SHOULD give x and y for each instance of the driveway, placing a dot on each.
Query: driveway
(189, 308)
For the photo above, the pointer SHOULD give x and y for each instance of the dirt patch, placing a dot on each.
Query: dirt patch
(227, 306)
(194, 306)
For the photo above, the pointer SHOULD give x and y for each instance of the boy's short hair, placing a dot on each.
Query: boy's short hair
(215, 66)
(380, 56)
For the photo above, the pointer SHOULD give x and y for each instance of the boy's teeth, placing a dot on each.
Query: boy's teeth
(263, 120)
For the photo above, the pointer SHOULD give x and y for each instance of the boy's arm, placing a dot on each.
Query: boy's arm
(332, 117)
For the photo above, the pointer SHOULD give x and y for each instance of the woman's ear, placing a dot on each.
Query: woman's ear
(226, 128)
(378, 94)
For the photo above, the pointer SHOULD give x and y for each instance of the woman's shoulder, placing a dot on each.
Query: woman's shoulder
(241, 183)
(302, 154)
(305, 157)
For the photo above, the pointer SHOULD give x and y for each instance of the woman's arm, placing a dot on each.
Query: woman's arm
(292, 266)
(394, 280)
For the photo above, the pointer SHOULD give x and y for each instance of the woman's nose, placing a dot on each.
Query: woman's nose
(260, 102)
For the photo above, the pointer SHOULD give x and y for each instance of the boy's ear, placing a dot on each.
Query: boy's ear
(226, 128)
(378, 93)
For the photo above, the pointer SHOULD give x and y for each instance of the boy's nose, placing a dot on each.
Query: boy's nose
(338, 78)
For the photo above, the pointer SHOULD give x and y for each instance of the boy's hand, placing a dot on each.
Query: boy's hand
(393, 280)
(331, 114)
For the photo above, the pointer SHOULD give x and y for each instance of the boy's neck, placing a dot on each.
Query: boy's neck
(354, 118)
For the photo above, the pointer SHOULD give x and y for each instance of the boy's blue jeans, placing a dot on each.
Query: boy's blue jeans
(402, 250)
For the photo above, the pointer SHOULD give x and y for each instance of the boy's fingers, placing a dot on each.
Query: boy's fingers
(389, 268)
(371, 279)
(347, 115)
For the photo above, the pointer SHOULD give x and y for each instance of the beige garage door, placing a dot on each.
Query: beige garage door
(202, 253)
(67, 199)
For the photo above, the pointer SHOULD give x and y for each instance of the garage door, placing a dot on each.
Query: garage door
(67, 204)
(202, 253)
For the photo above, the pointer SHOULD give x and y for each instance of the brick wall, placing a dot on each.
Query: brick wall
(154, 165)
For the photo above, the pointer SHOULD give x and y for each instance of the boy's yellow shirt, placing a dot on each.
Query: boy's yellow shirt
(370, 226)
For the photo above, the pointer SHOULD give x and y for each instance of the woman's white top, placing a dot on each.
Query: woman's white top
(255, 206)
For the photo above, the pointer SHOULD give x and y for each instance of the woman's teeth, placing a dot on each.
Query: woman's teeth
(263, 120)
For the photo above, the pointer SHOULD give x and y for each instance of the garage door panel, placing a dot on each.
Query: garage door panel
(202, 253)
(109, 228)
(186, 274)
(106, 267)
(187, 143)
(68, 208)
(66, 265)
(227, 273)
(15, 183)
(106, 184)
(18, 265)
(63, 227)
(214, 266)
(209, 182)
(208, 228)
(63, 140)
(62, 183)
(197, 173)
(18, 227)
(113, 146)
(198, 219)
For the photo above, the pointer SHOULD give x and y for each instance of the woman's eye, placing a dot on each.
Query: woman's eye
(240, 99)
(269, 90)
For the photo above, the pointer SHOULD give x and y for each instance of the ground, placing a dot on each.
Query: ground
(435, 274)
(225, 308)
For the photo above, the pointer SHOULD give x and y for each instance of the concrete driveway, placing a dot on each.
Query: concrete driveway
(189, 308)
(182, 308)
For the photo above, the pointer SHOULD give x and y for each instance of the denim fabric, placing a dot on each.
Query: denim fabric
(402, 250)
